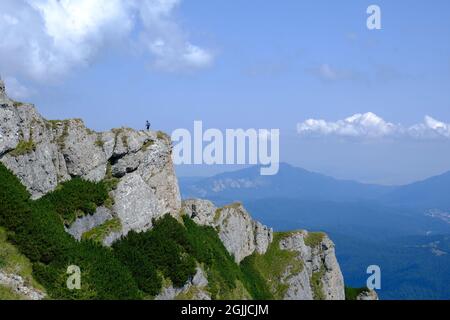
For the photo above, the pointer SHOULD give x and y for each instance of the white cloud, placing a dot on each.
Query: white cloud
(46, 39)
(371, 126)
(329, 73)
(326, 72)
(16, 90)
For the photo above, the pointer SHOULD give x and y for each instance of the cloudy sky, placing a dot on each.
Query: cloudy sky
(350, 102)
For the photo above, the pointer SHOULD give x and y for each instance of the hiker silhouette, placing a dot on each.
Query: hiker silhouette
(147, 125)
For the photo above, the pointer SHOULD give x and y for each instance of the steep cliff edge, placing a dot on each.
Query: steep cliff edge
(137, 168)
(137, 164)
(297, 265)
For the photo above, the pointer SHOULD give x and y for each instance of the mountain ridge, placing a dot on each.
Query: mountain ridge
(217, 186)
(91, 190)
(361, 226)
(291, 182)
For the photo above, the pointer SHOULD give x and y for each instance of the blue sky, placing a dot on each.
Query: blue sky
(248, 64)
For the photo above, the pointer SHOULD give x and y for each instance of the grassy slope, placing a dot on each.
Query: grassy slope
(13, 262)
(8, 294)
(273, 265)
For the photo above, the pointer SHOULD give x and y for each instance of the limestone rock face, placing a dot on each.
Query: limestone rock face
(9, 127)
(194, 289)
(83, 156)
(367, 295)
(45, 153)
(319, 261)
(2, 88)
(37, 161)
(201, 211)
(240, 234)
(299, 286)
(135, 203)
(17, 284)
(87, 223)
(263, 237)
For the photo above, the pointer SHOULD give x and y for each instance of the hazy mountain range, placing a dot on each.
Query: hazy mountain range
(404, 229)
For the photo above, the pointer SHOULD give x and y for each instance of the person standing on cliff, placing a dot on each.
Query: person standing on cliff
(147, 125)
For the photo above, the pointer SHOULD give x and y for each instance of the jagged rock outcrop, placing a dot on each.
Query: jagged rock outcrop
(321, 276)
(2, 89)
(367, 295)
(194, 289)
(45, 153)
(240, 234)
(17, 284)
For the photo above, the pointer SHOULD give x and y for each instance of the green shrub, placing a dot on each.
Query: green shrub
(99, 233)
(317, 285)
(227, 280)
(352, 293)
(36, 230)
(164, 248)
(313, 239)
(271, 267)
(76, 197)
(99, 142)
(207, 248)
(23, 148)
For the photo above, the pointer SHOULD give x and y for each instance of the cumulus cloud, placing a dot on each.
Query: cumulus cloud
(46, 39)
(371, 126)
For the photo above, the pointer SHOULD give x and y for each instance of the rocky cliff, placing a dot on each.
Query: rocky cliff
(138, 167)
(45, 153)
(242, 236)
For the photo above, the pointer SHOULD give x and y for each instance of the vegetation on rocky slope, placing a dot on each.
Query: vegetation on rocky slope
(76, 198)
(13, 262)
(137, 265)
(36, 229)
(23, 148)
(227, 280)
(353, 293)
(98, 234)
(8, 294)
(272, 266)
(134, 267)
(313, 239)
